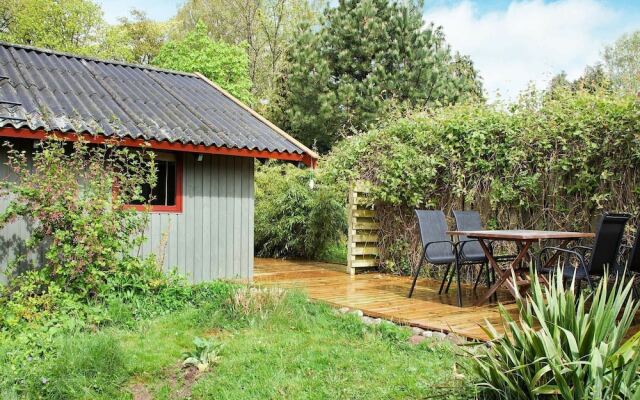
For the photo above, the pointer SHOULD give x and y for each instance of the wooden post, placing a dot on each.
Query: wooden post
(363, 230)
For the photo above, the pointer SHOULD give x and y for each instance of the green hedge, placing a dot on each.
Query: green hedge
(544, 162)
(296, 214)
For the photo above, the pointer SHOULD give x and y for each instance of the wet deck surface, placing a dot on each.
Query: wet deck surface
(384, 296)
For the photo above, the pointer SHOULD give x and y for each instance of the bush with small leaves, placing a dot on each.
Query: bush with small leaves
(74, 197)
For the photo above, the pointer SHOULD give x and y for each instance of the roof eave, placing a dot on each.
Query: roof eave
(39, 134)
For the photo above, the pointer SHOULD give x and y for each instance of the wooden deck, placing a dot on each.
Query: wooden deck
(384, 296)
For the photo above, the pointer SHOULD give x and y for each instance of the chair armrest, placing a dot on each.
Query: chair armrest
(453, 245)
(582, 247)
(562, 250)
(583, 250)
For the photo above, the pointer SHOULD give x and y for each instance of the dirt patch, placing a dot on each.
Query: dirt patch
(181, 380)
(140, 392)
(215, 332)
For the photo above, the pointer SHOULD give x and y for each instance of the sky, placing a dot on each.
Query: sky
(512, 42)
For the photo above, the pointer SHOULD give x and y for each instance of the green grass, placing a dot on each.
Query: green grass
(306, 352)
(298, 350)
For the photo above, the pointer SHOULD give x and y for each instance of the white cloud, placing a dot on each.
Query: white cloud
(529, 41)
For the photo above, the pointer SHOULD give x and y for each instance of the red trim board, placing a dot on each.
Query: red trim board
(23, 133)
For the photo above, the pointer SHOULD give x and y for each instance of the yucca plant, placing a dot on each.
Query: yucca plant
(561, 348)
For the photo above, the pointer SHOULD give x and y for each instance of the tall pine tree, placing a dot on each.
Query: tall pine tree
(364, 54)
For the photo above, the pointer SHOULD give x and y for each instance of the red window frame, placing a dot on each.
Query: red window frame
(176, 208)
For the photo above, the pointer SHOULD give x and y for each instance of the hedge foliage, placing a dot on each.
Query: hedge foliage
(546, 161)
(296, 214)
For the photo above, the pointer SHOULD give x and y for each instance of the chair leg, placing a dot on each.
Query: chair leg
(458, 283)
(488, 272)
(577, 290)
(415, 277)
(444, 278)
(453, 271)
(590, 282)
(634, 287)
(493, 280)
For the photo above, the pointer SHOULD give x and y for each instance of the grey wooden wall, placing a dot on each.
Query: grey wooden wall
(13, 235)
(213, 236)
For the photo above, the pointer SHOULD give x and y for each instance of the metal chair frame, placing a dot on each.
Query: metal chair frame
(457, 261)
(470, 220)
(581, 252)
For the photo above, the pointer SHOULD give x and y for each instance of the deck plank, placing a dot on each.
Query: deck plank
(384, 296)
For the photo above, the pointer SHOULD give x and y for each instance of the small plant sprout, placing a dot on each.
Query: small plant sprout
(206, 353)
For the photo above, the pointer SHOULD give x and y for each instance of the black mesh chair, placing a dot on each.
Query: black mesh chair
(631, 261)
(470, 249)
(438, 248)
(601, 257)
(632, 264)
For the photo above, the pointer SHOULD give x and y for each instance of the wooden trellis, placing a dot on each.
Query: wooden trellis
(363, 230)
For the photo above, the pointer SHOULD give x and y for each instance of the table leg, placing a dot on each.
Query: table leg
(503, 275)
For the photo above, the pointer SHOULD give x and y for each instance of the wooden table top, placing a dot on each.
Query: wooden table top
(521, 234)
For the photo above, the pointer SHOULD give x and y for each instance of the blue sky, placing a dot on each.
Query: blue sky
(514, 43)
(511, 42)
(159, 10)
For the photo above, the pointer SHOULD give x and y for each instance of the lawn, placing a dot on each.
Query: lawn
(288, 348)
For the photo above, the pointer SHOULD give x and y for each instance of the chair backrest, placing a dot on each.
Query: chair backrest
(469, 221)
(633, 262)
(433, 228)
(609, 233)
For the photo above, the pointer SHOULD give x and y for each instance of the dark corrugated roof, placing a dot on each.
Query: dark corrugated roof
(68, 93)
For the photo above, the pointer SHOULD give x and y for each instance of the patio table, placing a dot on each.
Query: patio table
(523, 239)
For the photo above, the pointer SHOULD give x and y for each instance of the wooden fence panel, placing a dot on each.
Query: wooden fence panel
(363, 230)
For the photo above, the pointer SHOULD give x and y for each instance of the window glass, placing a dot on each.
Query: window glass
(164, 193)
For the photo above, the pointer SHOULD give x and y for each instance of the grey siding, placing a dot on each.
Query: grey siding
(211, 238)
(12, 236)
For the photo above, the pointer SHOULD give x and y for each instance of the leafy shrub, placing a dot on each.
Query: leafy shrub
(292, 218)
(563, 349)
(80, 223)
(207, 352)
(88, 275)
(544, 162)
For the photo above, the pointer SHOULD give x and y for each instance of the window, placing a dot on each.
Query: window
(166, 196)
